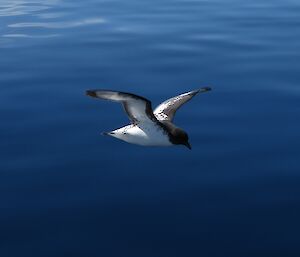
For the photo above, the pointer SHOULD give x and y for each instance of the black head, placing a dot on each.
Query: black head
(180, 137)
(176, 135)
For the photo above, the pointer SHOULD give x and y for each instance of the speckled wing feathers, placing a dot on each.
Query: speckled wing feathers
(167, 109)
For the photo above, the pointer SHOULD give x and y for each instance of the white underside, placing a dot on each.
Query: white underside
(146, 133)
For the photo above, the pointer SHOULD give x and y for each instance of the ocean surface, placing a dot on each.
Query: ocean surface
(65, 190)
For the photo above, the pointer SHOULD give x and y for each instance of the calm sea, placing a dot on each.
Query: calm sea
(65, 190)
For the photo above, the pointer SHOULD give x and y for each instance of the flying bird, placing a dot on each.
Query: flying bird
(148, 127)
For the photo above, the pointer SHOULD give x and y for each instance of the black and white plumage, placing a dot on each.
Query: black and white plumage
(148, 127)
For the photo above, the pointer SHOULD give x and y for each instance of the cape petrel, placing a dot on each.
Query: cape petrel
(148, 127)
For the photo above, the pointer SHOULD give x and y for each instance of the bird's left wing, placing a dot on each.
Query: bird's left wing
(137, 107)
(167, 109)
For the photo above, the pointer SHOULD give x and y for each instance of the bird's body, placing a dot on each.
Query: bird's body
(146, 134)
(148, 128)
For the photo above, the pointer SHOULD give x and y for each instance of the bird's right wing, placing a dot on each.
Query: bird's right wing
(167, 109)
(137, 108)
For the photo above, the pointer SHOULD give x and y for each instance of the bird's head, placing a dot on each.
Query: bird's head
(177, 135)
(184, 139)
(181, 138)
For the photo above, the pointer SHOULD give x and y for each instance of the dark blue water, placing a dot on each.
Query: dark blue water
(65, 190)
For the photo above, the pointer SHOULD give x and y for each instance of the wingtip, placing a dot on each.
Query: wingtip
(205, 89)
(91, 93)
(201, 90)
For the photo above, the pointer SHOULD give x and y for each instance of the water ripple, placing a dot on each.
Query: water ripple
(21, 10)
(29, 36)
(23, 7)
(58, 25)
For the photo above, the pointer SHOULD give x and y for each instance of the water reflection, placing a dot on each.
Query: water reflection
(34, 18)
(29, 36)
(23, 7)
(28, 10)
(58, 25)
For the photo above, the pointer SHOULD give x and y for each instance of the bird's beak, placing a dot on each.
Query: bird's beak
(187, 144)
